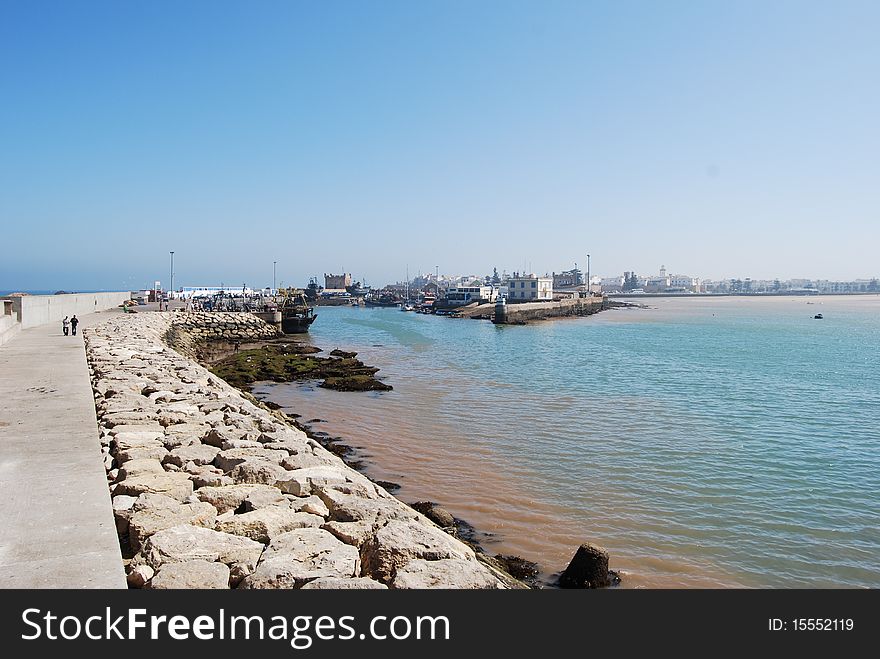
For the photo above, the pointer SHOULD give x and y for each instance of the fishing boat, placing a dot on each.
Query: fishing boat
(381, 300)
(427, 305)
(296, 314)
(406, 305)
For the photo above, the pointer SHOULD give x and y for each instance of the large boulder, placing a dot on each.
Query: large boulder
(240, 443)
(300, 482)
(311, 504)
(267, 523)
(297, 557)
(139, 467)
(230, 497)
(150, 520)
(271, 497)
(344, 507)
(399, 542)
(445, 573)
(351, 533)
(228, 459)
(587, 569)
(149, 430)
(176, 485)
(155, 451)
(217, 436)
(183, 543)
(129, 441)
(182, 434)
(335, 583)
(198, 454)
(303, 459)
(257, 471)
(191, 574)
(129, 419)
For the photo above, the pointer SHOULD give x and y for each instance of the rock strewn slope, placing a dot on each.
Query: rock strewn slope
(211, 490)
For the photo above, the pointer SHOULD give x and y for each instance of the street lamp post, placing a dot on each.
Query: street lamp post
(589, 290)
(171, 287)
(273, 277)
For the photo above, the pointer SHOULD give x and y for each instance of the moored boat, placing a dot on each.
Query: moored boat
(296, 314)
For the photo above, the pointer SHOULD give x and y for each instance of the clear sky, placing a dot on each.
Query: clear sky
(721, 139)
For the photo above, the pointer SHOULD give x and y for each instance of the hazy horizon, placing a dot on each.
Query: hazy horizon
(718, 139)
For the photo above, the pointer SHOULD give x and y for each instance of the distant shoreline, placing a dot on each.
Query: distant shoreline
(701, 295)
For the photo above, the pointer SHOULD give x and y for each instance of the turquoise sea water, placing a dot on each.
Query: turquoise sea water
(703, 442)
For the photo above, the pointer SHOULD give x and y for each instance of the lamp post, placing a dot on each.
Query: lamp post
(273, 277)
(589, 290)
(171, 287)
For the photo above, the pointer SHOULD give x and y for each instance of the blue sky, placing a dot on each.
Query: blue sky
(718, 138)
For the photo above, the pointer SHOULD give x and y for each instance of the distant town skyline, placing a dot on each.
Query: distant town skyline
(720, 139)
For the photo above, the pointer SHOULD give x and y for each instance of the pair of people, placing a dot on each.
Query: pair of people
(69, 325)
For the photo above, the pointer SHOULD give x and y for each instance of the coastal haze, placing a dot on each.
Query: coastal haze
(705, 442)
(722, 139)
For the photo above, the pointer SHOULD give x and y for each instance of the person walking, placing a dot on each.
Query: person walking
(74, 321)
(65, 325)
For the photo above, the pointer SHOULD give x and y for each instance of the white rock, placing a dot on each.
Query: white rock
(399, 542)
(297, 557)
(445, 573)
(155, 452)
(139, 467)
(300, 482)
(310, 504)
(264, 498)
(351, 533)
(227, 460)
(144, 523)
(198, 454)
(335, 583)
(191, 574)
(189, 543)
(177, 486)
(267, 523)
(229, 497)
(257, 471)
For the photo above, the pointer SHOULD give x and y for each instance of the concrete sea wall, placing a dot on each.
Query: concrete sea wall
(34, 310)
(211, 490)
(9, 325)
(530, 311)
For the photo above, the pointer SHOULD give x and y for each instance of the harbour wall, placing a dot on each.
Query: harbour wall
(34, 310)
(520, 313)
(9, 325)
(186, 332)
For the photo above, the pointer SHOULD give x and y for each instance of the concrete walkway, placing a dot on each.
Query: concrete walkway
(56, 520)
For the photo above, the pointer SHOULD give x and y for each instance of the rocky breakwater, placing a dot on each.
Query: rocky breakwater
(192, 333)
(211, 490)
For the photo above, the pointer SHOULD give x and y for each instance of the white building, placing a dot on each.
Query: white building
(529, 287)
(611, 284)
(467, 294)
(685, 282)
